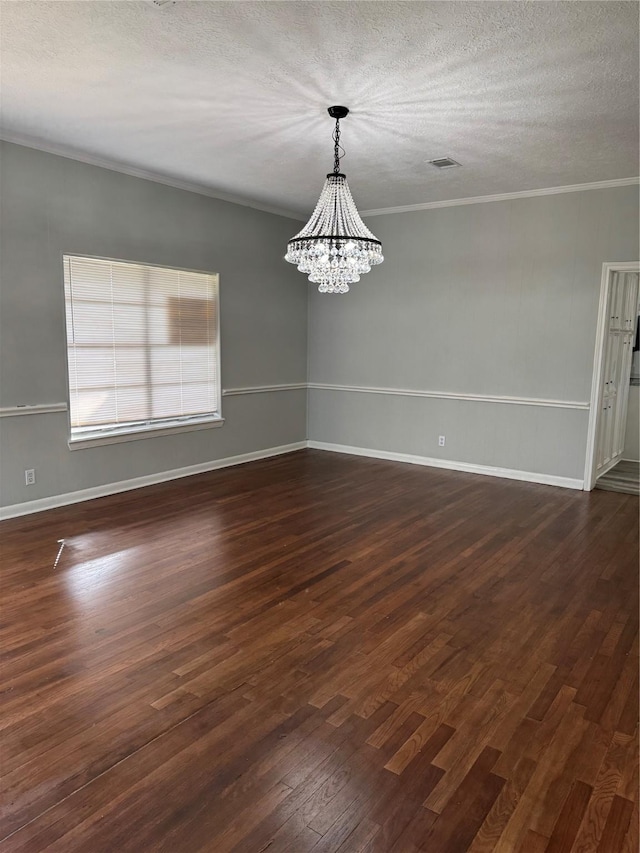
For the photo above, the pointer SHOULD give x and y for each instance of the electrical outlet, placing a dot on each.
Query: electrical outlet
(29, 476)
(441, 441)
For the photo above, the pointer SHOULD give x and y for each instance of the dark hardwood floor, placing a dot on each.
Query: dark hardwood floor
(321, 652)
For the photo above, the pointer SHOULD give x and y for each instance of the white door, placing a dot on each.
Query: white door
(614, 392)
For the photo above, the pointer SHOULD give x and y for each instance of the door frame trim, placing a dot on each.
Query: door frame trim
(608, 269)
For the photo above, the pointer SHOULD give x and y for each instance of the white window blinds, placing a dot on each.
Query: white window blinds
(142, 345)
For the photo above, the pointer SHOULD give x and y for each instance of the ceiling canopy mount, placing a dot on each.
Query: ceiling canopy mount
(338, 112)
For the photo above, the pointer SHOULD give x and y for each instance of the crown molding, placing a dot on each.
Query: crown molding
(482, 199)
(135, 172)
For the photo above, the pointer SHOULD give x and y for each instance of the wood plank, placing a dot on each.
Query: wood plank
(570, 818)
(616, 826)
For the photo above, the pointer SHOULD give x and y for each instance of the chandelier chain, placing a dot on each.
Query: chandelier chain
(337, 148)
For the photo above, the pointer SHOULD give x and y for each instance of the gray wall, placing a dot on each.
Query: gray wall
(498, 298)
(51, 205)
(487, 299)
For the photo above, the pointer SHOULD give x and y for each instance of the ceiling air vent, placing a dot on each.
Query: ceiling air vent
(443, 163)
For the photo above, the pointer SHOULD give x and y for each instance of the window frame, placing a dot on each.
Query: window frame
(137, 430)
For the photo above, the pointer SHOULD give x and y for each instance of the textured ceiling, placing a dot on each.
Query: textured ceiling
(233, 96)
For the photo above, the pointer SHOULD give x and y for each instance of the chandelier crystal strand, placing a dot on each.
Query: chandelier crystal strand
(335, 247)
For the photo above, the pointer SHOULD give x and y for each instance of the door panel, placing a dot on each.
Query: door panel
(621, 312)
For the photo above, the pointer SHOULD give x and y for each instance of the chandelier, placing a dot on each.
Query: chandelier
(335, 247)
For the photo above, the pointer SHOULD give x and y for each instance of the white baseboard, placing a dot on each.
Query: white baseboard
(468, 467)
(29, 507)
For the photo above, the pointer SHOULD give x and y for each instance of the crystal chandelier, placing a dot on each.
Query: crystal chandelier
(335, 247)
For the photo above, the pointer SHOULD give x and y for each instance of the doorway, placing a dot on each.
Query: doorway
(615, 335)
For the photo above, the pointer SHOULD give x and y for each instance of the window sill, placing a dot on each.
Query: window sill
(116, 437)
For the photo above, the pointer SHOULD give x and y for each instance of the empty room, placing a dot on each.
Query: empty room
(319, 443)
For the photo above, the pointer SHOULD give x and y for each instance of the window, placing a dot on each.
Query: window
(142, 349)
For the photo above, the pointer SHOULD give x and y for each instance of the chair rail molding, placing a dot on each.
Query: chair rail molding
(48, 408)
(264, 389)
(452, 395)
(39, 409)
